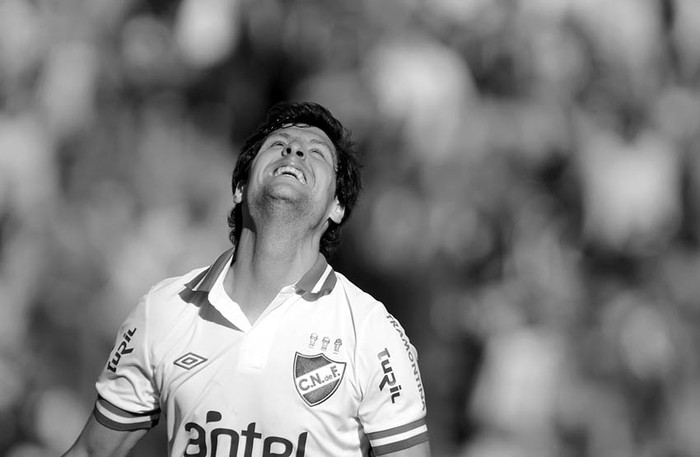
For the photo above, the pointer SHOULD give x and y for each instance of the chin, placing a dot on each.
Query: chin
(279, 199)
(286, 191)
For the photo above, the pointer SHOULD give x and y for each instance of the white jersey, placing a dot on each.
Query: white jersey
(324, 371)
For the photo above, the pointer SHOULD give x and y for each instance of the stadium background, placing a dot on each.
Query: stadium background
(531, 211)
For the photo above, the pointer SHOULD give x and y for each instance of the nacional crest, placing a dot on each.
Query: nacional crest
(316, 377)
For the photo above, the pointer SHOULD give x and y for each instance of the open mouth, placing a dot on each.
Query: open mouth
(290, 171)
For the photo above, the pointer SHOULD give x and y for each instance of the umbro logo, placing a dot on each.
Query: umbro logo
(189, 361)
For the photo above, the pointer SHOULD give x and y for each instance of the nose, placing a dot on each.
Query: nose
(294, 148)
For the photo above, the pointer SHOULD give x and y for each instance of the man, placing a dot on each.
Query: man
(269, 351)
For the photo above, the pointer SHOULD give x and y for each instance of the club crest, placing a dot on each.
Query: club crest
(316, 377)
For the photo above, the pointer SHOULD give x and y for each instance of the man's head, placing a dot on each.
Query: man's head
(287, 118)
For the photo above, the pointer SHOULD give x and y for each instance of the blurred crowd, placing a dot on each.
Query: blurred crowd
(531, 210)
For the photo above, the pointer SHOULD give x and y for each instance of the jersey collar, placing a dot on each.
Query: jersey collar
(318, 281)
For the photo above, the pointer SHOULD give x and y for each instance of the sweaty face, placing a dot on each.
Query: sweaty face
(296, 164)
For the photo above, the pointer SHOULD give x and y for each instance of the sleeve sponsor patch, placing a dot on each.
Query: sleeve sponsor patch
(412, 356)
(389, 380)
(121, 350)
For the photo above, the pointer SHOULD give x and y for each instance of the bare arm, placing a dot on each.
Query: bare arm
(96, 440)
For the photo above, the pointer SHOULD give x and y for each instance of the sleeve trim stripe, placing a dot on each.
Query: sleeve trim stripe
(399, 437)
(124, 420)
(145, 423)
(111, 409)
(397, 430)
(401, 445)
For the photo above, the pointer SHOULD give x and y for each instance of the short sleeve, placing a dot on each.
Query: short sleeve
(127, 397)
(393, 409)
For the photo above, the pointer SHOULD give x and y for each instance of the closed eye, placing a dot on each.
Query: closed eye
(321, 154)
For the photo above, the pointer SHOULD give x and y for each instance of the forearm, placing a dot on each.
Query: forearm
(97, 440)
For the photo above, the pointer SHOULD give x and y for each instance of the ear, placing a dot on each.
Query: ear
(337, 212)
(238, 194)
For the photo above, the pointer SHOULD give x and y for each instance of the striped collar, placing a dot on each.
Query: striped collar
(318, 281)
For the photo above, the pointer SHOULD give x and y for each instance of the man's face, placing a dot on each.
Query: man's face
(296, 164)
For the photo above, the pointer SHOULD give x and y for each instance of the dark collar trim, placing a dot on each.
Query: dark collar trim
(204, 281)
(318, 281)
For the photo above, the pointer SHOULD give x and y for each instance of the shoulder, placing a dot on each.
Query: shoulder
(175, 284)
(372, 316)
(168, 295)
(358, 299)
(368, 311)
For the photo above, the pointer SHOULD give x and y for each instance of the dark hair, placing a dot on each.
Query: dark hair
(348, 180)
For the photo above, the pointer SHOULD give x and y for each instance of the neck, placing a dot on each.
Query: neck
(277, 259)
(267, 260)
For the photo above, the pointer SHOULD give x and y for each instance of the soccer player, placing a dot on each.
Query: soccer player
(268, 351)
